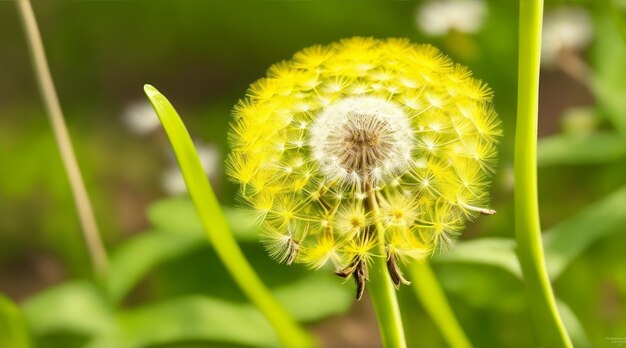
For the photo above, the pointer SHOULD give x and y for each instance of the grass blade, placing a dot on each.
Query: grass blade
(216, 226)
(432, 297)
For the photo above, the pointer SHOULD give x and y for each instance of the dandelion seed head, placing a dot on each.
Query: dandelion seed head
(359, 121)
(360, 133)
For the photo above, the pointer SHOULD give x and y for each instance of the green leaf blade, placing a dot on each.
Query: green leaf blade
(217, 228)
(66, 307)
(573, 325)
(568, 149)
(497, 252)
(195, 318)
(136, 257)
(566, 241)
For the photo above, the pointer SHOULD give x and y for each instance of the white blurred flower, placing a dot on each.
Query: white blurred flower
(564, 29)
(438, 17)
(172, 179)
(140, 118)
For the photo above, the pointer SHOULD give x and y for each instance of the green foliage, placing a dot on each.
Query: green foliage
(595, 148)
(500, 294)
(13, 330)
(188, 319)
(568, 240)
(609, 53)
(495, 251)
(307, 296)
(33, 180)
(67, 307)
(563, 243)
(573, 325)
(431, 296)
(179, 215)
(177, 231)
(132, 260)
(315, 296)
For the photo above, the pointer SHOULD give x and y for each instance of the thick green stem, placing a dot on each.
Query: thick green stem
(91, 234)
(382, 292)
(383, 295)
(434, 301)
(548, 326)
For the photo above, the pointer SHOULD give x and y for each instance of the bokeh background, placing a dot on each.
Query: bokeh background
(202, 55)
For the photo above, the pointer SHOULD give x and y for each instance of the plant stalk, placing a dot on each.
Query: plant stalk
(382, 291)
(548, 326)
(433, 299)
(91, 235)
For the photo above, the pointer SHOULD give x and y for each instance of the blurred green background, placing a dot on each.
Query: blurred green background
(170, 288)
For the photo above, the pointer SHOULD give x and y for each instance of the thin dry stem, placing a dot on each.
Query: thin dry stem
(46, 86)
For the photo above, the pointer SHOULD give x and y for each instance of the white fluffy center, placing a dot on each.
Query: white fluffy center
(361, 139)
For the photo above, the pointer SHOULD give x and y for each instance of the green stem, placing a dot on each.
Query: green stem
(90, 231)
(383, 295)
(432, 297)
(217, 228)
(382, 291)
(549, 329)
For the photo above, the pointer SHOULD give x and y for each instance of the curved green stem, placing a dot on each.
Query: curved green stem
(432, 297)
(95, 247)
(382, 292)
(216, 226)
(548, 326)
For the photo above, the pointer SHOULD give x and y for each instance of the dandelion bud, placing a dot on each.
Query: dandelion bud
(362, 136)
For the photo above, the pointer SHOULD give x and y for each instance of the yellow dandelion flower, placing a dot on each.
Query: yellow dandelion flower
(320, 251)
(399, 211)
(352, 220)
(361, 135)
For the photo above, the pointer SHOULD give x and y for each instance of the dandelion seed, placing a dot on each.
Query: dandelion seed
(282, 247)
(359, 135)
(394, 271)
